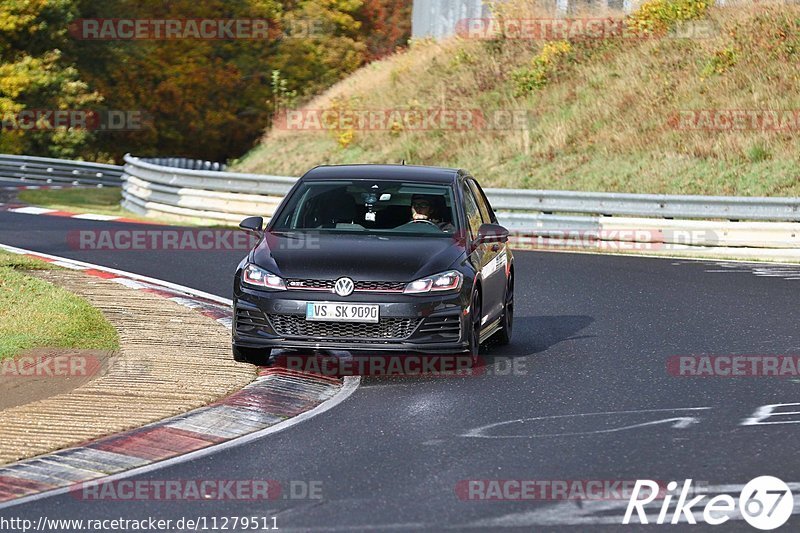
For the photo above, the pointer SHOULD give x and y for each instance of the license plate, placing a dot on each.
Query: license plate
(336, 312)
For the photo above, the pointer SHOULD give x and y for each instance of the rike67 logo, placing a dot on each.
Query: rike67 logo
(765, 503)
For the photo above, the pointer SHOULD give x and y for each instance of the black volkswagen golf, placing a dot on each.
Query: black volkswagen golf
(376, 258)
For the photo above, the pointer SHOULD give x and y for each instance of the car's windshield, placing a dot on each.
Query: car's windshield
(369, 206)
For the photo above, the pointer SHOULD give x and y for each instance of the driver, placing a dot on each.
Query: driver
(424, 209)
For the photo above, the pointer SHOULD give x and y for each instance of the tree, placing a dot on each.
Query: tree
(35, 76)
(386, 25)
(202, 98)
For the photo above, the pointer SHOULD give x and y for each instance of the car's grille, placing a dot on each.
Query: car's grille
(311, 284)
(386, 329)
(446, 326)
(247, 321)
(360, 286)
(380, 286)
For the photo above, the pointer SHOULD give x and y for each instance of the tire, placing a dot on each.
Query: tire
(503, 336)
(255, 356)
(475, 330)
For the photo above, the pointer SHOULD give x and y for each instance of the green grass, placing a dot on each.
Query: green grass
(606, 118)
(20, 262)
(102, 201)
(36, 314)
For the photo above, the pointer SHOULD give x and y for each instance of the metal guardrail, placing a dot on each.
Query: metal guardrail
(149, 188)
(712, 221)
(525, 204)
(647, 205)
(187, 163)
(38, 170)
(727, 221)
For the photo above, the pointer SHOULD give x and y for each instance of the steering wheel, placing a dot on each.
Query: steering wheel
(417, 220)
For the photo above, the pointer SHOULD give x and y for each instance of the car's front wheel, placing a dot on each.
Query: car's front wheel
(255, 356)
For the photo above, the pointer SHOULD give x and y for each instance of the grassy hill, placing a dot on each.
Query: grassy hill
(631, 112)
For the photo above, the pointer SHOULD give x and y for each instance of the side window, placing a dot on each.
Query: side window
(483, 204)
(471, 211)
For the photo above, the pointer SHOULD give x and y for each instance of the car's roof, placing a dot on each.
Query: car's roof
(383, 172)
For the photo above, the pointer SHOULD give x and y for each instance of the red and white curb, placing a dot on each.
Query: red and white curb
(24, 209)
(276, 400)
(33, 210)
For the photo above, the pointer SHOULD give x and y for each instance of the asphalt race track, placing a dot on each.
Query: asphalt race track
(591, 341)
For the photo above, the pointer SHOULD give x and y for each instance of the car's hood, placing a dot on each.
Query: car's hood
(363, 257)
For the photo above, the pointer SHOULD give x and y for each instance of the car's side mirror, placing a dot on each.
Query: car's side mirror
(488, 233)
(252, 225)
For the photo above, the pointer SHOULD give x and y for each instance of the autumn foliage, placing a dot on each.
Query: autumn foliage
(209, 99)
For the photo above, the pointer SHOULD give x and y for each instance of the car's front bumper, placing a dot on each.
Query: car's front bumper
(409, 323)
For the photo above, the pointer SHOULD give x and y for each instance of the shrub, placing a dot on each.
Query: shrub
(720, 62)
(543, 67)
(660, 16)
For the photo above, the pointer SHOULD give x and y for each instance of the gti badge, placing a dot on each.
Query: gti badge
(344, 286)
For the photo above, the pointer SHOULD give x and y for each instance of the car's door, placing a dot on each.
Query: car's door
(497, 270)
(485, 257)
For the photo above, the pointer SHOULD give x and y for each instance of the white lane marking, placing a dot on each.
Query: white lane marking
(65, 264)
(186, 302)
(680, 422)
(92, 216)
(787, 271)
(768, 411)
(351, 384)
(30, 210)
(154, 281)
(132, 284)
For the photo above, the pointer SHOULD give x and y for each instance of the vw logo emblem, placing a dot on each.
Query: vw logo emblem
(344, 286)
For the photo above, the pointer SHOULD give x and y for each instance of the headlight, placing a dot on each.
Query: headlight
(446, 281)
(258, 277)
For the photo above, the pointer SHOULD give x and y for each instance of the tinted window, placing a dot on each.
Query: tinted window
(483, 204)
(471, 211)
(363, 206)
